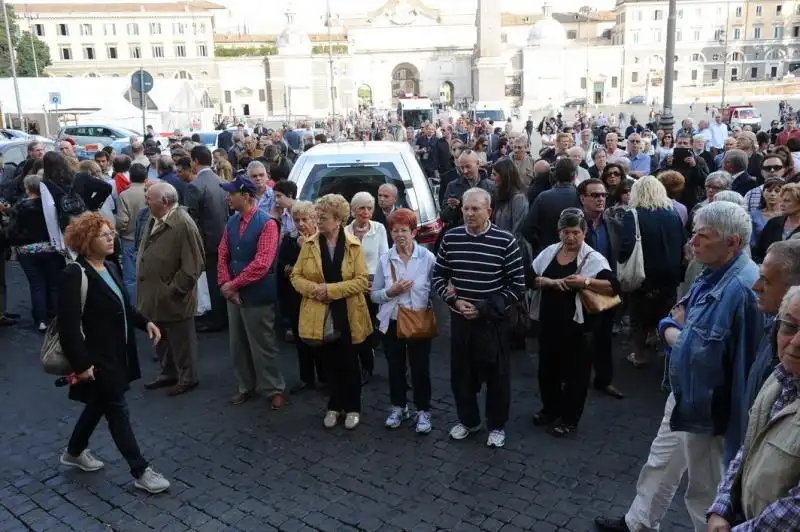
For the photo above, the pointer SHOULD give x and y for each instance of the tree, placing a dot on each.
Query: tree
(22, 49)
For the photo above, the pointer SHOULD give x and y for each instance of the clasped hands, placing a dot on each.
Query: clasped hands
(565, 284)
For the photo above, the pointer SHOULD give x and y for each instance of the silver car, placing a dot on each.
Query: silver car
(98, 135)
(349, 167)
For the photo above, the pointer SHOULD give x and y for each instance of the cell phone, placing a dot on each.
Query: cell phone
(680, 154)
(371, 277)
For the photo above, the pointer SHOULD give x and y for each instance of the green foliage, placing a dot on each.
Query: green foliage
(22, 49)
(245, 51)
(338, 49)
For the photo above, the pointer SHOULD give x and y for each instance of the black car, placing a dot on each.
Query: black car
(635, 100)
(577, 102)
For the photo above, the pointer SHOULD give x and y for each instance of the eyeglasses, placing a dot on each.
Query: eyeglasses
(597, 195)
(107, 235)
(772, 167)
(787, 328)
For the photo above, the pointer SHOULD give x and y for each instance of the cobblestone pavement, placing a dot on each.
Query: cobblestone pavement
(249, 468)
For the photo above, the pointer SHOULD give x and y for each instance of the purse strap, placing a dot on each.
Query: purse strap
(636, 224)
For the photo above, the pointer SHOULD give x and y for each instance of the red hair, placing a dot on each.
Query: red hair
(83, 230)
(402, 217)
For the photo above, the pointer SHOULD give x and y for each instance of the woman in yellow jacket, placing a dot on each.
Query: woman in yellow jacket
(331, 276)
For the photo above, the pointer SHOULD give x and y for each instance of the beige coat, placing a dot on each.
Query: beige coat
(169, 263)
(525, 169)
(131, 202)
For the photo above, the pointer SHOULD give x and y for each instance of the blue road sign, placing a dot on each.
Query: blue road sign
(142, 81)
(55, 98)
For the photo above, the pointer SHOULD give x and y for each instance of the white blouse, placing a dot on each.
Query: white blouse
(375, 243)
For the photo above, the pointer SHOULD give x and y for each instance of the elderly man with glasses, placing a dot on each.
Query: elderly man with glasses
(640, 162)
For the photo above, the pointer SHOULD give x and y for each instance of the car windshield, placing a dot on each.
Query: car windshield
(349, 178)
(415, 117)
(491, 114)
(209, 139)
(749, 113)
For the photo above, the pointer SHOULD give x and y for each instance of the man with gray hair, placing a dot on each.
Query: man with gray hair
(639, 161)
(166, 174)
(711, 333)
(735, 163)
(478, 293)
(168, 265)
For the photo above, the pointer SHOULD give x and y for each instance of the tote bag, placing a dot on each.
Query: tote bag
(631, 272)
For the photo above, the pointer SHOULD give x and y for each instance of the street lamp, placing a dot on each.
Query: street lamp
(13, 66)
(724, 44)
(586, 11)
(30, 18)
(330, 62)
(667, 120)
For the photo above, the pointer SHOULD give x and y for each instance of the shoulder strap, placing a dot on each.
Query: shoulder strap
(391, 267)
(636, 223)
(580, 266)
(84, 286)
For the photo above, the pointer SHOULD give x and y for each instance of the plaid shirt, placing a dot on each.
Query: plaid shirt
(783, 514)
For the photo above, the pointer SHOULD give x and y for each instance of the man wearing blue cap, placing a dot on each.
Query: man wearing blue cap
(246, 273)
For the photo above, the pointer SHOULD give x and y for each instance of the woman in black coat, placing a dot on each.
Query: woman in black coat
(96, 328)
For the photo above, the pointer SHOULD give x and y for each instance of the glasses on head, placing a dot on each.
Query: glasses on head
(597, 195)
(787, 328)
(772, 167)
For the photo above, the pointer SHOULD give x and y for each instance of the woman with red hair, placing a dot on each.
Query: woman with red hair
(403, 281)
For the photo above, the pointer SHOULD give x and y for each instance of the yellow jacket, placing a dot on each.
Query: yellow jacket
(308, 273)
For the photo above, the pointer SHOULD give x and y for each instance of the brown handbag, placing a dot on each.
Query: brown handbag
(593, 302)
(414, 324)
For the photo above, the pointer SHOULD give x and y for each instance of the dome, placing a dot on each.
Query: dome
(547, 31)
(292, 39)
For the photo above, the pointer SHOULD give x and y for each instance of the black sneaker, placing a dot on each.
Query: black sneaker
(5, 321)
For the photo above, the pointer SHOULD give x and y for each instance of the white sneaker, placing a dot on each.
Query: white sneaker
(352, 420)
(151, 481)
(423, 422)
(331, 419)
(459, 432)
(42, 326)
(497, 438)
(84, 461)
(396, 417)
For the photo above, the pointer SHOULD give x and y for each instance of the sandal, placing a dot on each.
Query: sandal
(541, 419)
(635, 361)
(562, 429)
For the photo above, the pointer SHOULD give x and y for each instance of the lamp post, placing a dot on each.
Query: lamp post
(33, 48)
(12, 60)
(330, 62)
(724, 44)
(586, 11)
(667, 120)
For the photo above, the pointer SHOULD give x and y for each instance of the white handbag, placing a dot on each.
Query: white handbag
(52, 353)
(631, 272)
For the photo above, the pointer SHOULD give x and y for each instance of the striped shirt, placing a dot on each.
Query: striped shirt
(478, 266)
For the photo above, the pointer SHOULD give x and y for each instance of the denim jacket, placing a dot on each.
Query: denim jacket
(709, 363)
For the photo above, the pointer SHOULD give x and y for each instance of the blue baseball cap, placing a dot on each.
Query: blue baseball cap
(241, 183)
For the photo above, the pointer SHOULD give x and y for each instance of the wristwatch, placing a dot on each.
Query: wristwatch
(587, 282)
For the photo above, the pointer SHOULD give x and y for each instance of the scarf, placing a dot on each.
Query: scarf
(332, 270)
(51, 218)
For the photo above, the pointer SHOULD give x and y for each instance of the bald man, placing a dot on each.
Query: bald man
(542, 180)
(469, 177)
(576, 154)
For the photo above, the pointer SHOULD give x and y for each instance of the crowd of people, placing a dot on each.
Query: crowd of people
(682, 238)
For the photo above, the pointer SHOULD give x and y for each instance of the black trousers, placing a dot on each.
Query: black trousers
(471, 366)
(340, 361)
(218, 316)
(308, 358)
(602, 346)
(119, 424)
(565, 365)
(366, 355)
(419, 361)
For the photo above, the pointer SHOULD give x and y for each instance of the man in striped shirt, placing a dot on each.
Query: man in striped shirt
(479, 274)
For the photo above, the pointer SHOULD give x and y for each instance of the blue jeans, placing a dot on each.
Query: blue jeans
(42, 270)
(129, 269)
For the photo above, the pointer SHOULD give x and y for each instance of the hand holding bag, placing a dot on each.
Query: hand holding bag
(594, 302)
(52, 354)
(414, 324)
(631, 272)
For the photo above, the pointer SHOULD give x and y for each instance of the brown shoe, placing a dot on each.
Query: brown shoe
(160, 383)
(276, 402)
(180, 389)
(241, 398)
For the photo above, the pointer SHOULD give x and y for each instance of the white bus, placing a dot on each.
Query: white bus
(488, 111)
(414, 111)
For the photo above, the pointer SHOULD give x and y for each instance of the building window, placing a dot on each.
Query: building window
(158, 50)
(694, 75)
(613, 82)
(182, 74)
(678, 35)
(111, 52)
(715, 57)
(699, 13)
(63, 30)
(657, 35)
(658, 14)
(778, 10)
(634, 77)
(133, 28)
(734, 74)
(86, 30)
(199, 28)
(737, 33)
(759, 11)
(754, 72)
(202, 50)
(739, 11)
(38, 29)
(135, 51)
(635, 36)
(777, 32)
(583, 83)
(178, 28)
(796, 31)
(695, 57)
(718, 34)
(88, 53)
(109, 29)
(680, 13)
(155, 28)
(696, 35)
(773, 72)
(262, 95)
(736, 56)
(227, 96)
(757, 32)
(571, 35)
(66, 53)
(675, 75)
(180, 50)
(714, 74)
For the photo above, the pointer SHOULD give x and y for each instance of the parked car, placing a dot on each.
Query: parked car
(209, 138)
(16, 134)
(636, 100)
(349, 167)
(92, 137)
(15, 152)
(577, 102)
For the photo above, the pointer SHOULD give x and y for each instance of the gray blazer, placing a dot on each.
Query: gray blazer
(208, 205)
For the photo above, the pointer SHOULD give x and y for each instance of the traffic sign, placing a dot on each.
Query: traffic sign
(142, 81)
(55, 98)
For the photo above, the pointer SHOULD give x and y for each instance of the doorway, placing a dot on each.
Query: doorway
(599, 90)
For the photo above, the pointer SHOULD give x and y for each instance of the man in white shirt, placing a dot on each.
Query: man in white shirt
(576, 154)
(613, 152)
(718, 132)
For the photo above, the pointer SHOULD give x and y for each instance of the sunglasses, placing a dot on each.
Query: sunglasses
(772, 167)
(597, 195)
(613, 173)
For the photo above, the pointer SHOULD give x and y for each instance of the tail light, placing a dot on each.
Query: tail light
(428, 233)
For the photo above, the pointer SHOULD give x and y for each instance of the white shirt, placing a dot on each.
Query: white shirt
(375, 243)
(583, 175)
(718, 132)
(418, 269)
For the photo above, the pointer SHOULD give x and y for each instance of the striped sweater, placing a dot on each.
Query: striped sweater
(478, 266)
